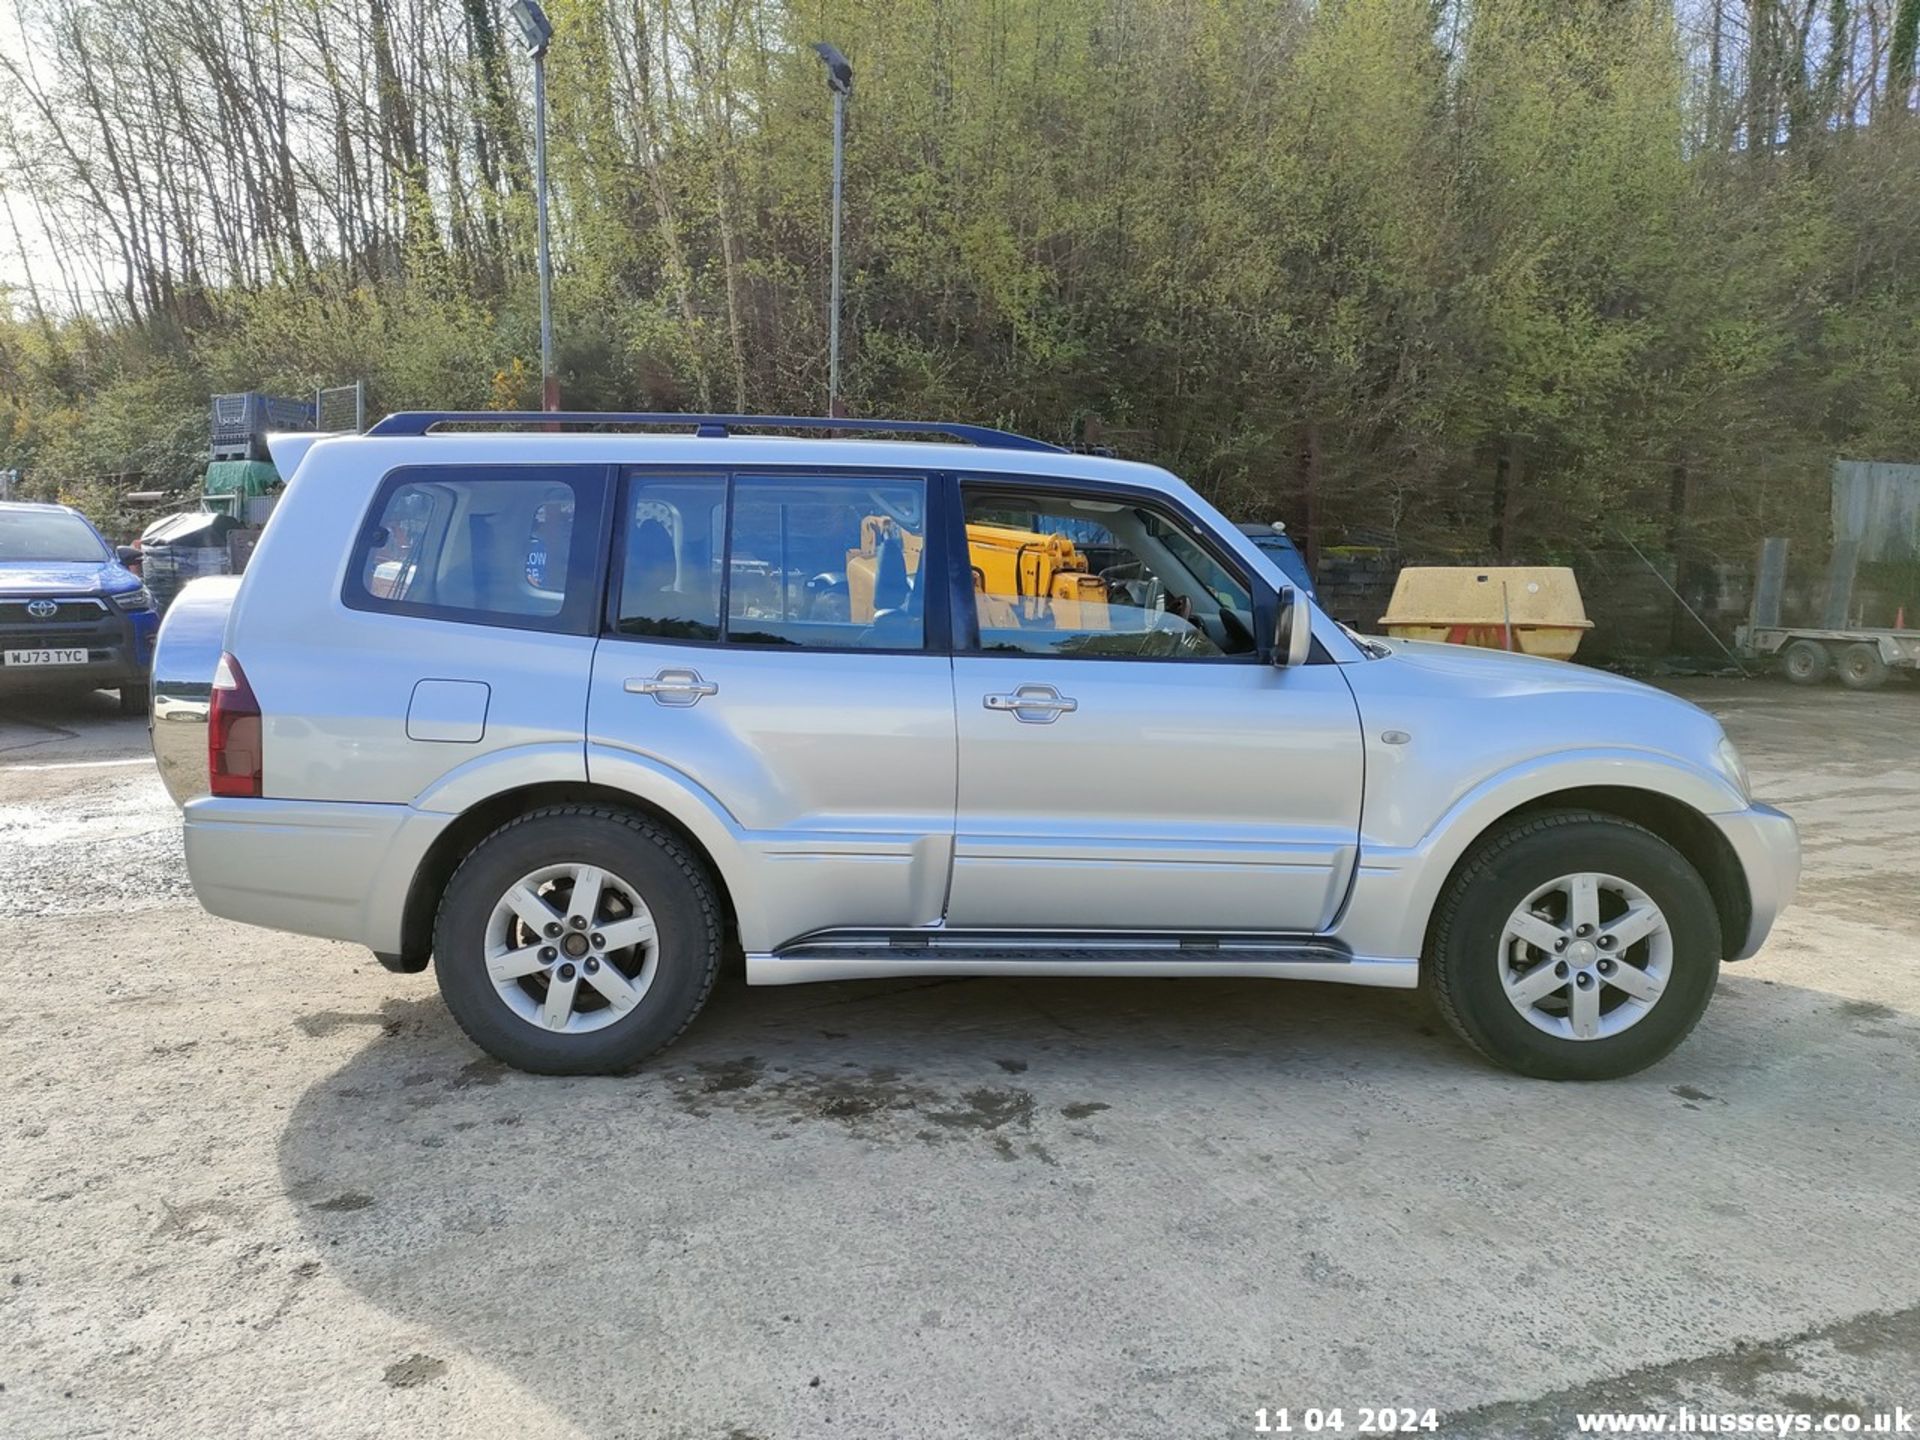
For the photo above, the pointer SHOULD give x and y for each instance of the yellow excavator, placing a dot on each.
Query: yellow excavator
(1021, 578)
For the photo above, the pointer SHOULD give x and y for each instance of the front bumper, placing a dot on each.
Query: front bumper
(338, 871)
(107, 669)
(1767, 845)
(119, 650)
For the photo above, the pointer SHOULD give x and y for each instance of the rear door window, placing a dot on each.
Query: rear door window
(794, 560)
(491, 545)
(827, 562)
(672, 535)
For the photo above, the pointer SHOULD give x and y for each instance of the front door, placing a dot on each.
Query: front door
(1127, 761)
(768, 641)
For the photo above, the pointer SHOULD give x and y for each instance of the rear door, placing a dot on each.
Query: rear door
(463, 627)
(770, 639)
(1127, 759)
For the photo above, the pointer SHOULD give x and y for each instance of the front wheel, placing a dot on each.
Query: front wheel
(133, 699)
(1574, 946)
(577, 940)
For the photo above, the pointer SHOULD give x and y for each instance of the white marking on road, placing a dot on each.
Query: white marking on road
(82, 764)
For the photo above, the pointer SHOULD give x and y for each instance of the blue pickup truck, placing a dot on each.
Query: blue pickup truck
(1274, 541)
(72, 616)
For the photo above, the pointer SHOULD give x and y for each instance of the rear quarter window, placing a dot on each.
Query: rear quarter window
(507, 545)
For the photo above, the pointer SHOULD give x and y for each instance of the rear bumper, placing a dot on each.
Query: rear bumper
(1768, 847)
(338, 871)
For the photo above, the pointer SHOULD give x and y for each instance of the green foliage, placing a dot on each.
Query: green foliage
(1462, 272)
(87, 414)
(1905, 44)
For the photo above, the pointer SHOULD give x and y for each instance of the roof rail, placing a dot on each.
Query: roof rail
(420, 422)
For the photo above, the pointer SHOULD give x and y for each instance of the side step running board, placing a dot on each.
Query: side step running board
(872, 955)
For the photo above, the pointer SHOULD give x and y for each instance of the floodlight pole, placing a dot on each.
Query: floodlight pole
(549, 382)
(840, 81)
(538, 32)
(833, 322)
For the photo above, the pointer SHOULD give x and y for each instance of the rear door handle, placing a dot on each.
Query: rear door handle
(673, 687)
(1033, 704)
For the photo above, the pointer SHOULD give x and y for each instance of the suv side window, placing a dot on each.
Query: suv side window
(487, 545)
(1062, 574)
(672, 534)
(828, 562)
(800, 561)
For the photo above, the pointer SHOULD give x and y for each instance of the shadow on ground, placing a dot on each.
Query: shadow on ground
(67, 725)
(1034, 1207)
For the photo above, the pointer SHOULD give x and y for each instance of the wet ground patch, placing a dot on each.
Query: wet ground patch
(348, 1200)
(416, 1369)
(873, 1102)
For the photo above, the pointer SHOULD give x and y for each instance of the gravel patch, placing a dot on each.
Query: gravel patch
(108, 844)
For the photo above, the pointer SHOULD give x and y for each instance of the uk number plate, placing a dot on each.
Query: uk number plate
(46, 657)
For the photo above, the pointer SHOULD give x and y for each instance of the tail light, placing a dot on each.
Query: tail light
(233, 733)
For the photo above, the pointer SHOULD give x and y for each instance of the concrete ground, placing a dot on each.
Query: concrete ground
(252, 1184)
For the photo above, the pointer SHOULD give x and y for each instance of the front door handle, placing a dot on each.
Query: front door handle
(1033, 704)
(673, 687)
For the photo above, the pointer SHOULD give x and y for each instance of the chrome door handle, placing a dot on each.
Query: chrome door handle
(673, 687)
(1033, 704)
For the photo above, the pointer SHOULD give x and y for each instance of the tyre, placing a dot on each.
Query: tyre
(577, 940)
(1805, 662)
(1574, 946)
(1861, 668)
(133, 699)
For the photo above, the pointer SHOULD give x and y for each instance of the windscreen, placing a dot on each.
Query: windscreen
(48, 535)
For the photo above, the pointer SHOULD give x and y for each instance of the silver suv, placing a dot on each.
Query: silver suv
(574, 712)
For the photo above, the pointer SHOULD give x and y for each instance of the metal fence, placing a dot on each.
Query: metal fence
(342, 407)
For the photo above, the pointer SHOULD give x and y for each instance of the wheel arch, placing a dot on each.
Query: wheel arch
(1686, 829)
(474, 824)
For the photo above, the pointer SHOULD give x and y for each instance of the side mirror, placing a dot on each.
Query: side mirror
(128, 554)
(1292, 628)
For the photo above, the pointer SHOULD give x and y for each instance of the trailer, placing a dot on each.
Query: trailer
(1858, 659)
(1876, 517)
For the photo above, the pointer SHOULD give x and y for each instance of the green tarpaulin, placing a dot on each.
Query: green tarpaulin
(241, 477)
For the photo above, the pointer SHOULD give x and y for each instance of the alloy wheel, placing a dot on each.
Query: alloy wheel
(1586, 956)
(571, 948)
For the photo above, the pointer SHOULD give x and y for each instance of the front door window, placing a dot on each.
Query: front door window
(1072, 576)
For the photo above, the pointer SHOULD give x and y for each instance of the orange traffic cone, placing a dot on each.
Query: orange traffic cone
(1900, 618)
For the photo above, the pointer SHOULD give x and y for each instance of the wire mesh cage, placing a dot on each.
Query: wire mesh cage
(341, 407)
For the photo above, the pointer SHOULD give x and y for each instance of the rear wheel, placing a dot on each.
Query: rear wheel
(1861, 667)
(577, 941)
(1574, 946)
(1805, 662)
